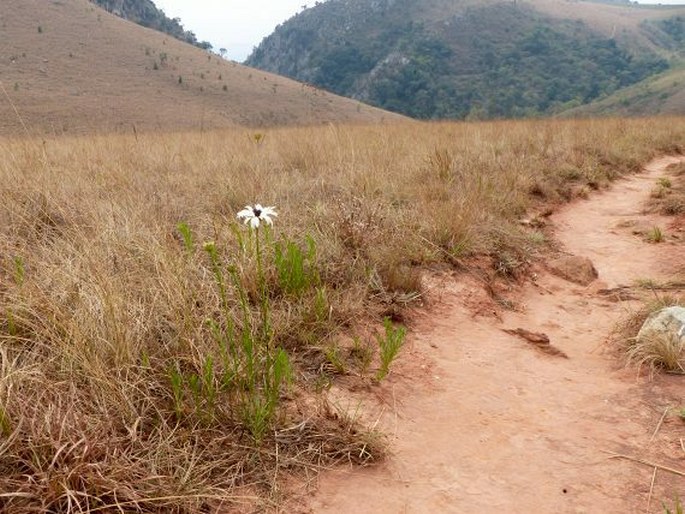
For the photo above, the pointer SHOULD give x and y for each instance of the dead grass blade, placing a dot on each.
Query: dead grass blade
(658, 425)
(614, 455)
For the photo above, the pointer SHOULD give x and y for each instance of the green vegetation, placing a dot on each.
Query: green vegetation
(675, 28)
(390, 344)
(490, 60)
(252, 369)
(668, 32)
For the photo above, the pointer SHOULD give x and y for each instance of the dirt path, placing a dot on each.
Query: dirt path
(482, 422)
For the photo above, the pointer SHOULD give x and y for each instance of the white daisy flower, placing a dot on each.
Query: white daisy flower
(255, 215)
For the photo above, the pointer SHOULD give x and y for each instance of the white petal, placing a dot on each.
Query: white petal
(269, 211)
(254, 222)
(245, 213)
(258, 207)
(267, 219)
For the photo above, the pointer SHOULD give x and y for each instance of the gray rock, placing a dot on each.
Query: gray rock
(574, 269)
(668, 322)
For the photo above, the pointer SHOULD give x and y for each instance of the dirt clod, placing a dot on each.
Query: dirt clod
(573, 268)
(538, 339)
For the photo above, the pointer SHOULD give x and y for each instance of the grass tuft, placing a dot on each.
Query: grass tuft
(655, 235)
(669, 196)
(389, 343)
(653, 352)
(659, 352)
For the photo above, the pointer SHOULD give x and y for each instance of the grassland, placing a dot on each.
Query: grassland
(138, 364)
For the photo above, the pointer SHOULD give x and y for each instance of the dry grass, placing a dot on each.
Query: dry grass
(653, 352)
(668, 195)
(89, 71)
(658, 352)
(100, 298)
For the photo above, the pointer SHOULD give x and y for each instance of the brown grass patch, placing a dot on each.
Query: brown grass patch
(668, 195)
(100, 299)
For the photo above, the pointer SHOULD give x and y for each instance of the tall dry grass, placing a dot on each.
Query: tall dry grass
(100, 300)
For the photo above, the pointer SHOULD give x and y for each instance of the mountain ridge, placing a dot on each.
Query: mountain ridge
(467, 59)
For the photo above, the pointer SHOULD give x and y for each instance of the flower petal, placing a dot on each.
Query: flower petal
(254, 222)
(267, 219)
(269, 211)
(245, 213)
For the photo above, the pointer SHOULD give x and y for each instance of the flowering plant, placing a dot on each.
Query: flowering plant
(257, 214)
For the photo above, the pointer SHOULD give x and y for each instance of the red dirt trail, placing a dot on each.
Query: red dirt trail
(480, 421)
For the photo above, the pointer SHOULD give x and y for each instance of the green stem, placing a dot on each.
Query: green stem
(221, 283)
(266, 328)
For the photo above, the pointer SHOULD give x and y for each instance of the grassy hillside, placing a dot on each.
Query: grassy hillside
(485, 59)
(159, 357)
(661, 94)
(73, 67)
(632, 25)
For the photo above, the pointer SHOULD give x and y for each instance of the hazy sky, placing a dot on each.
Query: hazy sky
(240, 25)
(236, 25)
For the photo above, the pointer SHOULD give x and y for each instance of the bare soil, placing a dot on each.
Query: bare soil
(481, 420)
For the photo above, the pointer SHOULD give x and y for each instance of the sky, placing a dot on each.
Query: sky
(240, 25)
(236, 25)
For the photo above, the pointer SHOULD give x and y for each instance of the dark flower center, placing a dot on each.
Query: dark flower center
(257, 212)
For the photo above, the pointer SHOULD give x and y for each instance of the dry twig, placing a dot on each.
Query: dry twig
(614, 455)
(651, 490)
(661, 422)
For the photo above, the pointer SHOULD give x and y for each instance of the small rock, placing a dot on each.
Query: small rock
(668, 321)
(574, 269)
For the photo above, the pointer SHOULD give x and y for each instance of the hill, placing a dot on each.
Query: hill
(661, 94)
(73, 67)
(475, 59)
